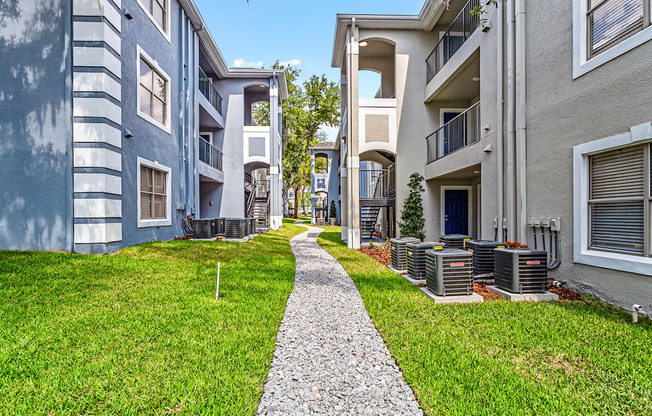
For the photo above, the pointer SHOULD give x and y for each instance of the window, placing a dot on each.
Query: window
(606, 29)
(618, 199)
(612, 21)
(157, 11)
(153, 92)
(153, 194)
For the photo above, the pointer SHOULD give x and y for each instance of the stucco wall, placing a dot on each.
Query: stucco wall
(149, 141)
(35, 126)
(562, 113)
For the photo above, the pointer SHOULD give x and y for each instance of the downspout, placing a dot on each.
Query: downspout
(521, 134)
(511, 122)
(500, 136)
(181, 139)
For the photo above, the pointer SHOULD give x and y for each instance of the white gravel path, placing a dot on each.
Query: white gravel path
(329, 357)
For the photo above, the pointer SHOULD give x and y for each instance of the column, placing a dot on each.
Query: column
(97, 126)
(275, 205)
(353, 160)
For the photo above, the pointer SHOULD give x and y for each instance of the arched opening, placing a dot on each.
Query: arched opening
(377, 196)
(256, 105)
(377, 56)
(321, 163)
(320, 208)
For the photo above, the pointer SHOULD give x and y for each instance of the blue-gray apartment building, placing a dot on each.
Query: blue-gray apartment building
(120, 118)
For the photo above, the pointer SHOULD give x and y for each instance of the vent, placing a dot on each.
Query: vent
(521, 270)
(449, 272)
(203, 229)
(398, 249)
(483, 255)
(416, 258)
(235, 228)
(454, 240)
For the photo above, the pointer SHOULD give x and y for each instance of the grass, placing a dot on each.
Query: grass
(560, 358)
(140, 331)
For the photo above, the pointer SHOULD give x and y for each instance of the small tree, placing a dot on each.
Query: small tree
(333, 210)
(412, 222)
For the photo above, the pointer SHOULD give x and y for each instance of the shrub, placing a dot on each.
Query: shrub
(412, 222)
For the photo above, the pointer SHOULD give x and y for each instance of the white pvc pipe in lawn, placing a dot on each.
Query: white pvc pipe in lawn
(217, 290)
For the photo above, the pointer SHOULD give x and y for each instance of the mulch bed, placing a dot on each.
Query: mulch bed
(564, 294)
(481, 289)
(379, 253)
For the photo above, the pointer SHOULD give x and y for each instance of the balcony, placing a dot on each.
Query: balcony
(377, 187)
(459, 31)
(209, 154)
(208, 90)
(460, 132)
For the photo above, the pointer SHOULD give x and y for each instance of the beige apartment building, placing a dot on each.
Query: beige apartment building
(530, 123)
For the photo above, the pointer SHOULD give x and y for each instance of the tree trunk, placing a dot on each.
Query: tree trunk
(296, 202)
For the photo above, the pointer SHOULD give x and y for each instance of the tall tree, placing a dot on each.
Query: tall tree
(310, 106)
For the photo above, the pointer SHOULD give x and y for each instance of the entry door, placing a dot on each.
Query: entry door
(456, 217)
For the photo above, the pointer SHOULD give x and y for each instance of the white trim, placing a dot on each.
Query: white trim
(97, 158)
(140, 53)
(97, 32)
(582, 65)
(168, 192)
(581, 252)
(98, 208)
(97, 182)
(165, 34)
(442, 209)
(210, 136)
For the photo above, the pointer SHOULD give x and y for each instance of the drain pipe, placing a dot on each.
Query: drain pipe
(520, 118)
(511, 122)
(500, 106)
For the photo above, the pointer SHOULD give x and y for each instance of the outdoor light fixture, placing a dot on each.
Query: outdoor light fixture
(476, 79)
(364, 43)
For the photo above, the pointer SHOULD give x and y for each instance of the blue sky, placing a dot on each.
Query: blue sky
(299, 31)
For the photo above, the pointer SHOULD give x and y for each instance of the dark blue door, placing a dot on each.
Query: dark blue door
(457, 211)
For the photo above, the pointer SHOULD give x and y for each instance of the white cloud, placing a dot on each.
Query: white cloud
(241, 63)
(293, 62)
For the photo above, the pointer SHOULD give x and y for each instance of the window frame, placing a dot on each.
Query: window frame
(166, 222)
(142, 55)
(583, 60)
(167, 20)
(599, 257)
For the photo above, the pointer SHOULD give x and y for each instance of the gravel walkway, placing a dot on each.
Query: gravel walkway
(329, 357)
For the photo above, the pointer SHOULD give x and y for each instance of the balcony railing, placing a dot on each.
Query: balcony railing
(209, 154)
(459, 31)
(460, 132)
(377, 183)
(208, 89)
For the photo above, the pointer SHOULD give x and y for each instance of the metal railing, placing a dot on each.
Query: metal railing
(210, 92)
(209, 154)
(377, 183)
(460, 132)
(459, 31)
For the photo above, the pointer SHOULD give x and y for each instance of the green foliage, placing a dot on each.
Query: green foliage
(310, 106)
(140, 332)
(412, 221)
(505, 358)
(333, 210)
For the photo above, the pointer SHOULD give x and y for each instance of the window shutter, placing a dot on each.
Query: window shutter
(616, 200)
(618, 174)
(613, 20)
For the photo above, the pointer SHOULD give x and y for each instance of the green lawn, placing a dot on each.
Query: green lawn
(560, 358)
(140, 331)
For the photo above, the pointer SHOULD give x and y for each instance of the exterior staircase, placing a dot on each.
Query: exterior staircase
(261, 212)
(368, 218)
